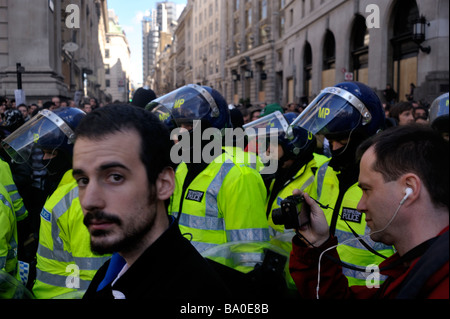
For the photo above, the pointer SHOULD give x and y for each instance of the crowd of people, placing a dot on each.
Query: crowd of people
(94, 206)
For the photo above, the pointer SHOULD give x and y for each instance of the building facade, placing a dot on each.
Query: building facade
(288, 50)
(60, 45)
(117, 61)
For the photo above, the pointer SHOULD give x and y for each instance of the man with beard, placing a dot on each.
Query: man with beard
(346, 114)
(125, 177)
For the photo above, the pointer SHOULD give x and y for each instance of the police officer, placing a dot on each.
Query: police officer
(292, 152)
(346, 115)
(216, 201)
(8, 235)
(65, 262)
(439, 115)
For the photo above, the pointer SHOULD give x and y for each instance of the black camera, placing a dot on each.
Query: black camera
(292, 213)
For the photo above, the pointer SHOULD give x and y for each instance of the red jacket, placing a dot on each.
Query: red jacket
(333, 284)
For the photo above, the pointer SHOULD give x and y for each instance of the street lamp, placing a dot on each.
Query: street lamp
(419, 33)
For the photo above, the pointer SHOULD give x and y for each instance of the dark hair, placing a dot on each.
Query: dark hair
(414, 149)
(399, 108)
(155, 137)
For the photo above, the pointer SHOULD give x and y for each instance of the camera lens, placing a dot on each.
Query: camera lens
(277, 216)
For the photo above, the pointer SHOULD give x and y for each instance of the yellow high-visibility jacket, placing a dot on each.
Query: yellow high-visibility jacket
(65, 262)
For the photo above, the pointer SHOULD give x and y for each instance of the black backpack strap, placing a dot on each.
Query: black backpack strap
(433, 260)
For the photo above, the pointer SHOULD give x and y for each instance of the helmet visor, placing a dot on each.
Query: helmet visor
(333, 111)
(439, 107)
(45, 131)
(183, 106)
(265, 131)
(272, 124)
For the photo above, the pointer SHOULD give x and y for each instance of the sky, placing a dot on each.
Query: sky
(130, 15)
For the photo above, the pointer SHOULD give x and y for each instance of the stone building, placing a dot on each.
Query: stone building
(288, 50)
(117, 61)
(59, 43)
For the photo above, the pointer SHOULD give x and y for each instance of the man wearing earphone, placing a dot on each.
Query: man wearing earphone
(404, 176)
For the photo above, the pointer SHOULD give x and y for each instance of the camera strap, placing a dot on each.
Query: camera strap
(364, 243)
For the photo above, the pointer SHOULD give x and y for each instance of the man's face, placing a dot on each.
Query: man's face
(406, 118)
(118, 205)
(380, 199)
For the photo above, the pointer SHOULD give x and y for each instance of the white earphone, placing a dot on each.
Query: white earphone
(408, 192)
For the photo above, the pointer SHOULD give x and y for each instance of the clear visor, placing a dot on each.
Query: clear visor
(45, 131)
(333, 111)
(264, 132)
(272, 124)
(181, 107)
(439, 107)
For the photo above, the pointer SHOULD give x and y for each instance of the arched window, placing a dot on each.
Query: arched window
(307, 70)
(329, 60)
(404, 50)
(359, 48)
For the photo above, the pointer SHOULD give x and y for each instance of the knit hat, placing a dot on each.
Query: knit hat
(142, 97)
(271, 108)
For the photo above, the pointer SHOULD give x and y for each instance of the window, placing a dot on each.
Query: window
(282, 24)
(248, 15)
(263, 9)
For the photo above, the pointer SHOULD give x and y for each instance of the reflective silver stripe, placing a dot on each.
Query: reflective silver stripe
(212, 192)
(256, 234)
(201, 247)
(90, 263)
(58, 280)
(15, 196)
(6, 202)
(59, 122)
(62, 256)
(352, 99)
(84, 263)
(359, 274)
(10, 188)
(343, 236)
(12, 251)
(58, 253)
(22, 211)
(320, 178)
(60, 209)
(279, 236)
(199, 222)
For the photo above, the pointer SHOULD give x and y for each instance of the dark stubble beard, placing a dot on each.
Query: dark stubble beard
(132, 237)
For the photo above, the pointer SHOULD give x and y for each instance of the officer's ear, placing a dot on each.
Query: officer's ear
(165, 184)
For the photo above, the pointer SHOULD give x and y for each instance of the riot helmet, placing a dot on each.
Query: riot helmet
(439, 117)
(343, 109)
(190, 103)
(48, 130)
(349, 111)
(274, 130)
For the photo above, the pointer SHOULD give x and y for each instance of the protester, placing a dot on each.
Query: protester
(125, 176)
(404, 177)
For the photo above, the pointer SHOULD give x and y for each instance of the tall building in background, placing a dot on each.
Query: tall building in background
(117, 60)
(150, 42)
(158, 27)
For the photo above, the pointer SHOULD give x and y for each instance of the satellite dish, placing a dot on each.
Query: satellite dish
(70, 47)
